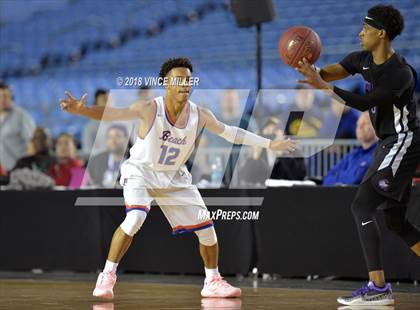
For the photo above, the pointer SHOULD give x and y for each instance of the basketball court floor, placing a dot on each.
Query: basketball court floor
(73, 291)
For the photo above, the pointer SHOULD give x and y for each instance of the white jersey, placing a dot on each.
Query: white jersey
(166, 147)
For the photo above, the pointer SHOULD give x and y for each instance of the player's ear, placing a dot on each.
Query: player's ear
(382, 33)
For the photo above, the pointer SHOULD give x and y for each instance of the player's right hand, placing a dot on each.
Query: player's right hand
(73, 105)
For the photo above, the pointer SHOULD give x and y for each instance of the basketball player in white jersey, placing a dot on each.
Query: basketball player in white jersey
(156, 171)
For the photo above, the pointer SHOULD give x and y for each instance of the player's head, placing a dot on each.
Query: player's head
(65, 147)
(116, 139)
(177, 69)
(145, 93)
(305, 97)
(230, 104)
(365, 132)
(41, 141)
(6, 97)
(101, 97)
(383, 22)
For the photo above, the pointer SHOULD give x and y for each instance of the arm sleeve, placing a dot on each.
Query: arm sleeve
(238, 135)
(379, 95)
(352, 62)
(388, 90)
(400, 81)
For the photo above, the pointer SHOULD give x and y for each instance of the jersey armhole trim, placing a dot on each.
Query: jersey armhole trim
(152, 123)
(198, 122)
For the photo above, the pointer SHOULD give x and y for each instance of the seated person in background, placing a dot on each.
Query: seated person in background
(257, 168)
(41, 158)
(145, 94)
(309, 123)
(348, 120)
(231, 113)
(91, 130)
(16, 128)
(352, 168)
(65, 160)
(3, 171)
(416, 179)
(289, 168)
(103, 169)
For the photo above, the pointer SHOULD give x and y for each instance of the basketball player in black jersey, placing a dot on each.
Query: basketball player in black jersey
(390, 99)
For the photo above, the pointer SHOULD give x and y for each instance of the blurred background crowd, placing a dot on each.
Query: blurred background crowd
(44, 54)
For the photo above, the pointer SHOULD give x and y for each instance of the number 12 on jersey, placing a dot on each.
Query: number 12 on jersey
(168, 155)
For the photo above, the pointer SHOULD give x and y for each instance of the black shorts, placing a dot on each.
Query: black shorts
(394, 164)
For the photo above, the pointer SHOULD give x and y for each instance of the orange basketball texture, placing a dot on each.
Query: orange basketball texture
(297, 43)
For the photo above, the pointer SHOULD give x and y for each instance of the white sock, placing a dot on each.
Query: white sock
(110, 266)
(211, 272)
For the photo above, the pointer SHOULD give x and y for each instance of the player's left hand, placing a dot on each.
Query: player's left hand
(312, 76)
(283, 145)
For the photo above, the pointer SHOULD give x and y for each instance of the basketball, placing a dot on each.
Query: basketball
(297, 43)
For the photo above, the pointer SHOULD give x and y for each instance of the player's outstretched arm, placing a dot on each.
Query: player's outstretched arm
(380, 95)
(78, 107)
(238, 135)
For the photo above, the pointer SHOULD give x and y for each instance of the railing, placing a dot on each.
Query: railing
(319, 155)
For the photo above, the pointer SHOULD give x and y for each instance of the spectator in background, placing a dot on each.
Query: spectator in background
(264, 164)
(418, 104)
(417, 176)
(65, 160)
(416, 179)
(347, 118)
(103, 169)
(199, 162)
(41, 158)
(304, 119)
(16, 129)
(91, 130)
(284, 168)
(231, 113)
(3, 171)
(145, 94)
(352, 168)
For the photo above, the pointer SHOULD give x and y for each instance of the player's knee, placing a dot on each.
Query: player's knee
(207, 236)
(395, 220)
(133, 222)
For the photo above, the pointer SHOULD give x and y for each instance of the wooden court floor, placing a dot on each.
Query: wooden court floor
(47, 294)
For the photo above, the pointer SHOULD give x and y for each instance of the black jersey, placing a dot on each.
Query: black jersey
(392, 104)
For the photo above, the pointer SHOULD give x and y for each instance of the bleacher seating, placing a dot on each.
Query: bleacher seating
(222, 53)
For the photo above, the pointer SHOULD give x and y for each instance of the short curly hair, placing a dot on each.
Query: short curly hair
(171, 63)
(390, 17)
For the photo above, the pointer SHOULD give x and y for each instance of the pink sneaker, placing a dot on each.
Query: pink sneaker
(104, 285)
(217, 287)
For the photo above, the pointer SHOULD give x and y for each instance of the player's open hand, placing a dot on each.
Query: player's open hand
(312, 76)
(73, 105)
(283, 145)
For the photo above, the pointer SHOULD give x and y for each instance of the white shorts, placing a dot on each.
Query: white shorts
(179, 200)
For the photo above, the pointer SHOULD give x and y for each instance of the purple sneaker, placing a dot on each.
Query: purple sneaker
(369, 295)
